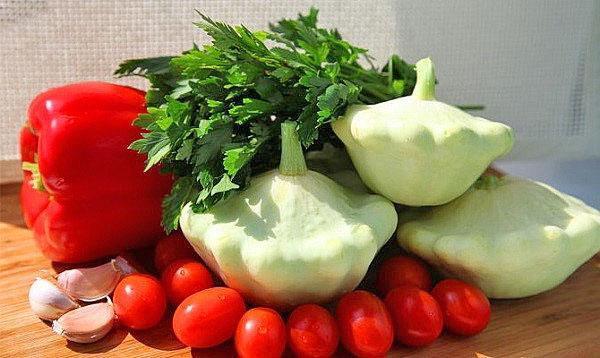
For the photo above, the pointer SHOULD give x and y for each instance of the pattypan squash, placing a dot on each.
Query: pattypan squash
(511, 237)
(416, 150)
(293, 236)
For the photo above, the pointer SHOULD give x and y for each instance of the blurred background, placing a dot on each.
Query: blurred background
(534, 64)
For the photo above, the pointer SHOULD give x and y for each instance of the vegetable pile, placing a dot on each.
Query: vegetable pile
(288, 155)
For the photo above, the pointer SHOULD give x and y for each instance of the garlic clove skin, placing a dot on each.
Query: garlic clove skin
(94, 283)
(89, 284)
(121, 265)
(48, 301)
(86, 324)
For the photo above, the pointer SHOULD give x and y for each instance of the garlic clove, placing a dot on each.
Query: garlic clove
(94, 283)
(48, 301)
(86, 324)
(122, 265)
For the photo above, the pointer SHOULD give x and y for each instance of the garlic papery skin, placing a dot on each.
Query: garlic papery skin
(86, 324)
(94, 283)
(122, 265)
(48, 301)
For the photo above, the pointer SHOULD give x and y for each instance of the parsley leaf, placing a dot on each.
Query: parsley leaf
(214, 112)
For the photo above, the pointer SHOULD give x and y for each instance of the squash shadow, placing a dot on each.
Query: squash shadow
(246, 214)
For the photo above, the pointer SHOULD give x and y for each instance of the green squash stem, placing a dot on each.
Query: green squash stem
(292, 158)
(425, 86)
(488, 182)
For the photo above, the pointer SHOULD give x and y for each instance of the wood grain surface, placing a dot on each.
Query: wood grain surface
(564, 322)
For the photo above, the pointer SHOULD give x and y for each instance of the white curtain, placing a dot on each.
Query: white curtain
(534, 64)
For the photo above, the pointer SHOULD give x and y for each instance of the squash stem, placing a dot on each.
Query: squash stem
(292, 158)
(425, 86)
(487, 182)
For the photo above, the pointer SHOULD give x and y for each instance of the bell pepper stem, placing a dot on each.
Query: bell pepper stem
(36, 178)
(425, 86)
(292, 158)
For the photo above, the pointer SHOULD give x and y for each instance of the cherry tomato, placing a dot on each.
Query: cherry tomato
(402, 270)
(417, 316)
(466, 309)
(184, 277)
(365, 324)
(312, 332)
(260, 334)
(139, 301)
(209, 317)
(171, 248)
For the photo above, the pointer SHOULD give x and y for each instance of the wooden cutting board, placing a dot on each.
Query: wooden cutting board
(564, 322)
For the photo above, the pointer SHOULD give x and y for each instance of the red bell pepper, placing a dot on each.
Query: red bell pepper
(84, 194)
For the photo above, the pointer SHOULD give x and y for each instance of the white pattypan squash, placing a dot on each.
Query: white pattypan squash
(293, 236)
(511, 237)
(416, 150)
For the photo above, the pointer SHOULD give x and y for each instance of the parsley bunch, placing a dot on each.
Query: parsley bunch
(214, 112)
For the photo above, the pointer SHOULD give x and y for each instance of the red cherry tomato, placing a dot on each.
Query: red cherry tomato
(400, 271)
(466, 309)
(209, 317)
(139, 301)
(182, 278)
(417, 316)
(260, 334)
(312, 332)
(365, 325)
(171, 248)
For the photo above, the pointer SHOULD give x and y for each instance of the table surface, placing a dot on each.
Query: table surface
(564, 322)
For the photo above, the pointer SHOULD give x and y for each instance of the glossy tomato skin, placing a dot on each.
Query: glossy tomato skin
(400, 271)
(365, 324)
(312, 332)
(184, 277)
(417, 317)
(465, 307)
(209, 317)
(260, 334)
(139, 301)
(171, 248)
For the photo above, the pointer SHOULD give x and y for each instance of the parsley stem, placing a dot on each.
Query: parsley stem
(292, 158)
(425, 86)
